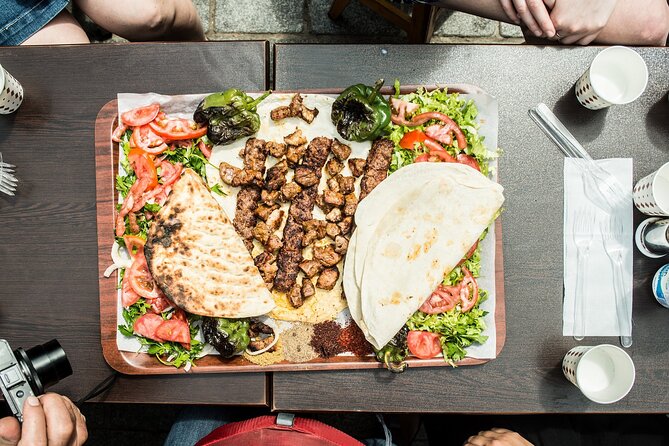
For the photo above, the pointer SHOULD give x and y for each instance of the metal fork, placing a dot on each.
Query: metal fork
(8, 181)
(582, 234)
(611, 233)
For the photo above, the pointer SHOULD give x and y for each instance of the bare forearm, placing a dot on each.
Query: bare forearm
(633, 24)
(490, 9)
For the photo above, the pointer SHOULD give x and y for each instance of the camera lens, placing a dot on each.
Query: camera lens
(47, 364)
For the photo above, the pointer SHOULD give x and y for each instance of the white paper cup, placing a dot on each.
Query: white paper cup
(11, 95)
(617, 75)
(604, 373)
(651, 193)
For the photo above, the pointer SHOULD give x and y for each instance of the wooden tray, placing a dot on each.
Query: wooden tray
(106, 163)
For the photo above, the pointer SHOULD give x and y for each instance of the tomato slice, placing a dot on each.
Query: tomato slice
(423, 344)
(410, 139)
(443, 156)
(118, 132)
(205, 149)
(169, 172)
(177, 129)
(134, 244)
(468, 297)
(145, 139)
(128, 295)
(147, 326)
(469, 253)
(141, 280)
(468, 160)
(443, 299)
(174, 330)
(140, 115)
(425, 157)
(144, 167)
(159, 304)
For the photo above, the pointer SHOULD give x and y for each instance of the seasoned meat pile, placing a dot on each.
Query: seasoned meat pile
(295, 109)
(376, 168)
(290, 254)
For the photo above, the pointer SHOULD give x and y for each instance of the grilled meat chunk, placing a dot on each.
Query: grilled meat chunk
(276, 149)
(332, 230)
(257, 328)
(274, 219)
(245, 219)
(357, 166)
(306, 176)
(320, 201)
(276, 176)
(254, 155)
(318, 226)
(333, 184)
(270, 197)
(290, 190)
(376, 168)
(280, 113)
(309, 238)
(259, 344)
(341, 244)
(273, 243)
(263, 211)
(299, 109)
(295, 139)
(346, 184)
(266, 263)
(311, 268)
(295, 296)
(294, 154)
(333, 198)
(350, 204)
(228, 173)
(346, 224)
(333, 166)
(326, 255)
(261, 232)
(340, 150)
(334, 216)
(308, 289)
(328, 278)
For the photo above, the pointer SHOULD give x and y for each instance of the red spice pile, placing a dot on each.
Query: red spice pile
(353, 340)
(325, 339)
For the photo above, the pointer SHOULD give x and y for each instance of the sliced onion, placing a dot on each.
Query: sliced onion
(261, 351)
(120, 256)
(113, 267)
(188, 366)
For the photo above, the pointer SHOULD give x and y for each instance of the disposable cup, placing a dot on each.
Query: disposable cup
(617, 75)
(604, 373)
(11, 94)
(651, 193)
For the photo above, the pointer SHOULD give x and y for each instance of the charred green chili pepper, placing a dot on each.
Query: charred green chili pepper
(228, 336)
(360, 112)
(229, 115)
(395, 352)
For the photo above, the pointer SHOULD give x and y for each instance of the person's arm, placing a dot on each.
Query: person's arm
(146, 19)
(50, 420)
(497, 437)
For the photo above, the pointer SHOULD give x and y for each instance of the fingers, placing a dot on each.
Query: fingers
(10, 431)
(510, 11)
(64, 422)
(574, 38)
(33, 431)
(535, 16)
(549, 4)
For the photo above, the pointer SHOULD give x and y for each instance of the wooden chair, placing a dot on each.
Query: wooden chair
(419, 25)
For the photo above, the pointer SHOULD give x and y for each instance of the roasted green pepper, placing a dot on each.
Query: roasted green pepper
(361, 113)
(228, 336)
(395, 352)
(229, 115)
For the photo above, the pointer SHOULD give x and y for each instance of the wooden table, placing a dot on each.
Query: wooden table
(526, 377)
(48, 243)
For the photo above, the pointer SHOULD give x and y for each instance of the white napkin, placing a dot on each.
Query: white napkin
(600, 302)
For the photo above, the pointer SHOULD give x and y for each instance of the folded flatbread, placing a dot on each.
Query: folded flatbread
(407, 240)
(197, 258)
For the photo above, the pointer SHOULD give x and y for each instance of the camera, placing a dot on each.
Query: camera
(27, 373)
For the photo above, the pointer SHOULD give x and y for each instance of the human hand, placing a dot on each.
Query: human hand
(534, 14)
(497, 437)
(580, 22)
(50, 420)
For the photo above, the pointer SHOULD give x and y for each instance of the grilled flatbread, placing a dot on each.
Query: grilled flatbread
(198, 259)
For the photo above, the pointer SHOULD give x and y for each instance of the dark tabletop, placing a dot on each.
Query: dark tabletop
(48, 242)
(526, 377)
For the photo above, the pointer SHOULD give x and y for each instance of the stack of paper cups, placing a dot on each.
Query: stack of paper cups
(604, 373)
(11, 95)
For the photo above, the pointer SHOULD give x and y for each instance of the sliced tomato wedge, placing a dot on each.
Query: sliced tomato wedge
(118, 132)
(177, 129)
(128, 295)
(147, 326)
(145, 139)
(134, 244)
(440, 133)
(205, 149)
(468, 160)
(140, 115)
(169, 172)
(144, 168)
(180, 314)
(410, 139)
(442, 155)
(141, 280)
(160, 304)
(423, 344)
(174, 330)
(425, 157)
(443, 299)
(469, 293)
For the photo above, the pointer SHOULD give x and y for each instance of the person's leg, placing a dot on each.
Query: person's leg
(63, 29)
(146, 19)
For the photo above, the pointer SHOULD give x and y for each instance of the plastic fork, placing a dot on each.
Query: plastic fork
(611, 233)
(8, 181)
(582, 234)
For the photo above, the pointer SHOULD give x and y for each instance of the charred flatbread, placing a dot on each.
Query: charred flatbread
(197, 258)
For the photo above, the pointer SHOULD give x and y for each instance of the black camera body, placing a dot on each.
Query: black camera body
(27, 373)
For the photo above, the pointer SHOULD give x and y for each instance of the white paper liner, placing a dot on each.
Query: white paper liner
(183, 106)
